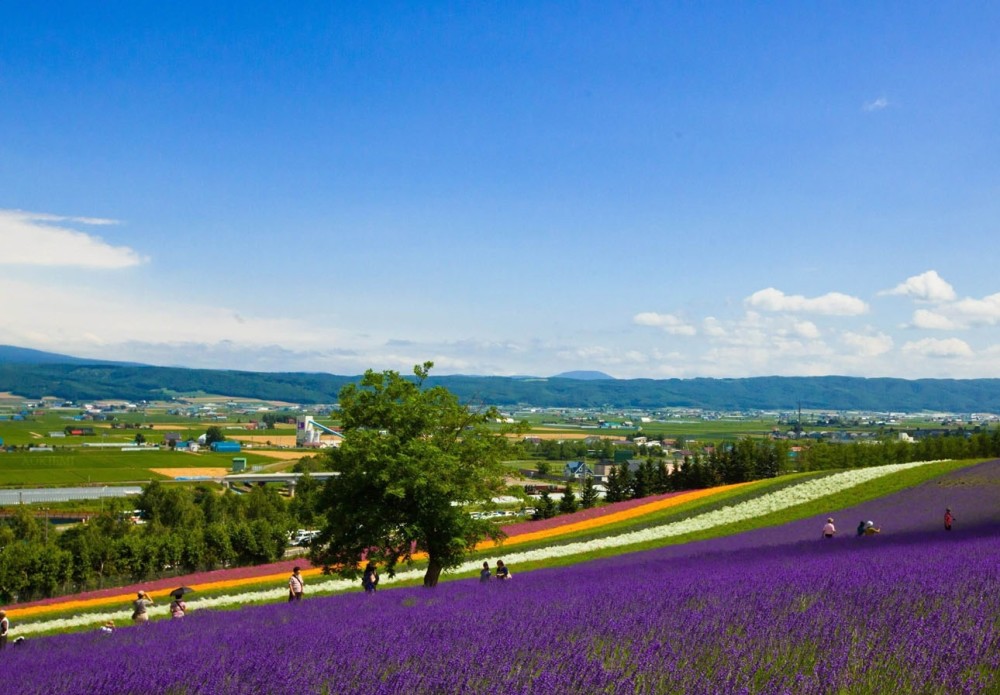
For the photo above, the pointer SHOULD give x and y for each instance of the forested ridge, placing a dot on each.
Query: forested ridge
(82, 382)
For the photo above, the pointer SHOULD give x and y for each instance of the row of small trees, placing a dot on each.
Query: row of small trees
(546, 508)
(755, 459)
(185, 530)
(822, 455)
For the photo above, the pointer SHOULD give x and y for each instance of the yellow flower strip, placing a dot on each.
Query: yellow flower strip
(125, 600)
(605, 520)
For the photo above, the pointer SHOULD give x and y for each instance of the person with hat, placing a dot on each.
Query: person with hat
(140, 607)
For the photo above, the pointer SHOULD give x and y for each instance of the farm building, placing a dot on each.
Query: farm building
(578, 470)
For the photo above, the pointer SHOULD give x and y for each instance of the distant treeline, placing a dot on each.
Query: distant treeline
(84, 382)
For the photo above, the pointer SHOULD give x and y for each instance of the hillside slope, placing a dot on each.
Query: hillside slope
(92, 381)
(773, 610)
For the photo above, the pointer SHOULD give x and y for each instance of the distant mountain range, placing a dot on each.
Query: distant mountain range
(10, 354)
(34, 374)
(583, 376)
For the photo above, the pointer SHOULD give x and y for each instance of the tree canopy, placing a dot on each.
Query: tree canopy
(214, 434)
(410, 458)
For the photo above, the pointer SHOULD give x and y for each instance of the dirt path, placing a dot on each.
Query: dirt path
(191, 472)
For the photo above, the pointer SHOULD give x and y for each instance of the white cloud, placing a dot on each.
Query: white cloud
(830, 304)
(761, 344)
(867, 345)
(668, 322)
(947, 314)
(929, 287)
(713, 327)
(936, 347)
(87, 319)
(875, 104)
(41, 239)
(922, 318)
(982, 311)
(806, 329)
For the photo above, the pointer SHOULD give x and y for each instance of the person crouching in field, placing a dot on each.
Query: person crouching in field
(871, 529)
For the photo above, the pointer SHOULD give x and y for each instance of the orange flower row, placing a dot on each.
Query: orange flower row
(125, 599)
(589, 524)
(609, 519)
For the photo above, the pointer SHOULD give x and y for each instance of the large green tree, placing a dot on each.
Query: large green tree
(410, 458)
(214, 434)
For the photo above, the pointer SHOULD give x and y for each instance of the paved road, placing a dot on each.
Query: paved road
(65, 494)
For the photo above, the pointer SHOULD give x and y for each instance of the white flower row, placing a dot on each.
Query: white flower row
(790, 496)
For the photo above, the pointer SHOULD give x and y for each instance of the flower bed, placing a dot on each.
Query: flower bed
(774, 610)
(572, 523)
(583, 515)
(793, 495)
(277, 572)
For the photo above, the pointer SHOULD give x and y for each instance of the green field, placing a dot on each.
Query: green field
(709, 429)
(72, 464)
(85, 466)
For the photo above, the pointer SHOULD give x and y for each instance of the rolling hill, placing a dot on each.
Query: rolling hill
(34, 374)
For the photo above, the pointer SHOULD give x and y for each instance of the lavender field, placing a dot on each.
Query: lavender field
(913, 610)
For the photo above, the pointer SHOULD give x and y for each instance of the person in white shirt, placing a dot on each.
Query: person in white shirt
(829, 529)
(296, 586)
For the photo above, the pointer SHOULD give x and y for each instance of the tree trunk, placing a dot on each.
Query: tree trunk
(433, 573)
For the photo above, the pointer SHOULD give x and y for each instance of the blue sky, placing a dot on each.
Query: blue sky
(660, 190)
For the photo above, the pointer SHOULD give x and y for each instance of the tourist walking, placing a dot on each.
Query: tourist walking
(829, 530)
(296, 586)
(4, 629)
(369, 580)
(140, 607)
(484, 573)
(948, 519)
(502, 572)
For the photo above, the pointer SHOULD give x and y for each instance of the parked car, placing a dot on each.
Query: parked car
(303, 537)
